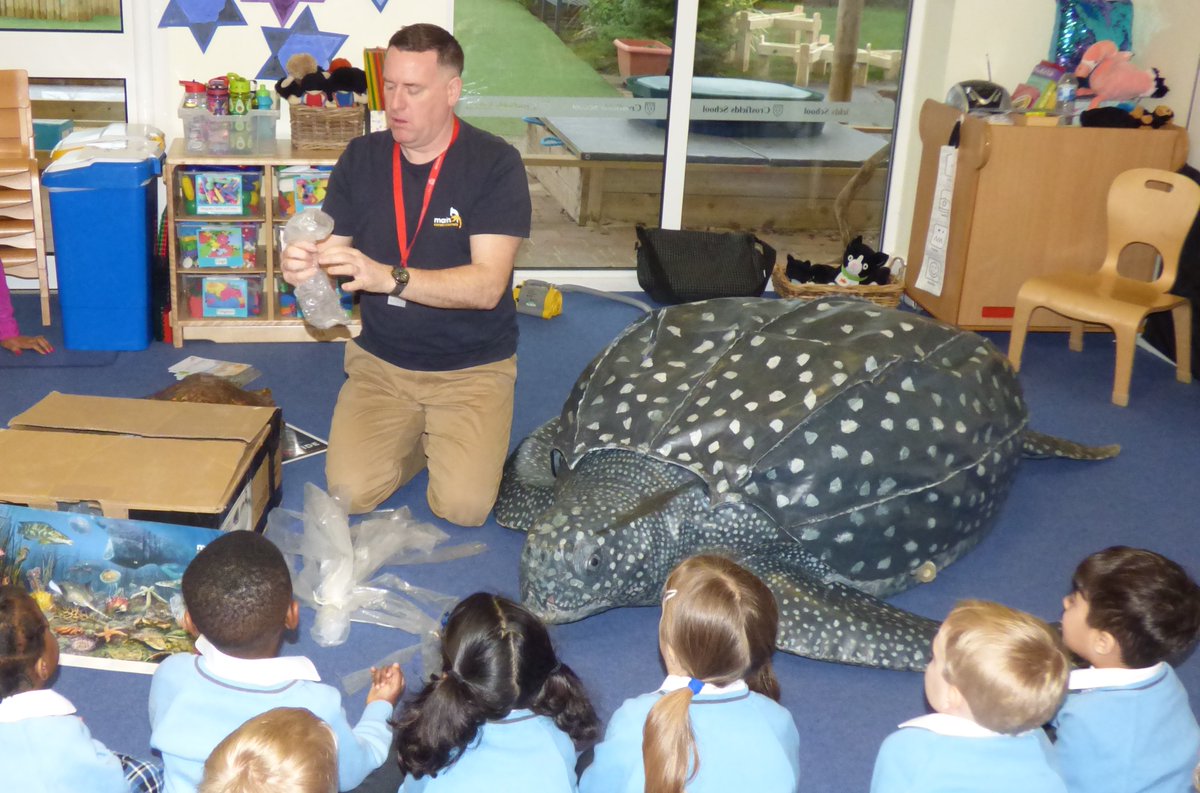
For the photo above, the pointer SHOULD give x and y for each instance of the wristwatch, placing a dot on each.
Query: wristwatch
(401, 276)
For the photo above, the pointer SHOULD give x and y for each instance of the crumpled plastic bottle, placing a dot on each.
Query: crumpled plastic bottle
(317, 298)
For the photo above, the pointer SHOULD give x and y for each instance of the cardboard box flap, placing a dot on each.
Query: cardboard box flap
(147, 418)
(112, 470)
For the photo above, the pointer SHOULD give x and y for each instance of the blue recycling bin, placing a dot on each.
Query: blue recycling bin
(104, 207)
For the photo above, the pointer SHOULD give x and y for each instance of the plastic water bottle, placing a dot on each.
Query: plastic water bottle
(317, 298)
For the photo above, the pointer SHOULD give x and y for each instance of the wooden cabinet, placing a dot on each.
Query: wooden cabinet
(254, 310)
(1027, 200)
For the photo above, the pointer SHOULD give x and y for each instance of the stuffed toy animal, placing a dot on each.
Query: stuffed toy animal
(802, 271)
(862, 264)
(344, 77)
(298, 67)
(1106, 74)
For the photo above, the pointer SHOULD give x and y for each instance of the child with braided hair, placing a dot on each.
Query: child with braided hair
(715, 724)
(505, 715)
(44, 746)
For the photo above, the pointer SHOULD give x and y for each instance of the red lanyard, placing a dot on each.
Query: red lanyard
(398, 196)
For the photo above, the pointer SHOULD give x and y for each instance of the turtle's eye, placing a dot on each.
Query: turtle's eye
(594, 562)
(556, 461)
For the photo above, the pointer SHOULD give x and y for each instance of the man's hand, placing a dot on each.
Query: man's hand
(387, 684)
(365, 274)
(15, 344)
(299, 262)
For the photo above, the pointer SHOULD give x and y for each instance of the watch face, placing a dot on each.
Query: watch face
(401, 276)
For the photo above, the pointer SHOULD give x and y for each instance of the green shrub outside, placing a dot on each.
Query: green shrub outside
(655, 19)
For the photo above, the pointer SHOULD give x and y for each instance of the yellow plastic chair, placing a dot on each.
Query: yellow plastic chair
(1145, 205)
(22, 233)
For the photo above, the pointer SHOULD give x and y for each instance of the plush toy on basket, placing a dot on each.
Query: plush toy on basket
(327, 108)
(863, 272)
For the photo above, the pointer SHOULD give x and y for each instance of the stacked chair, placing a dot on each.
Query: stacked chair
(22, 231)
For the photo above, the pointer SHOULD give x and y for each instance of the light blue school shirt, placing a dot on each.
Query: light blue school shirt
(197, 700)
(1127, 731)
(521, 753)
(940, 753)
(746, 742)
(46, 748)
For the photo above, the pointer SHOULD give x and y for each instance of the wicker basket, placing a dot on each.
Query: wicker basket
(888, 295)
(326, 127)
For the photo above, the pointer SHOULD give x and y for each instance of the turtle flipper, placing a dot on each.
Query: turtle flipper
(527, 486)
(824, 619)
(1039, 446)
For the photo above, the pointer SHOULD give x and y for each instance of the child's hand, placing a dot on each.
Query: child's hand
(387, 684)
(15, 344)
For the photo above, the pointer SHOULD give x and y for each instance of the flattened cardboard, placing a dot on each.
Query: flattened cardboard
(214, 466)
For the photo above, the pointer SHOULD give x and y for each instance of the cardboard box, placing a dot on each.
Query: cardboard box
(213, 466)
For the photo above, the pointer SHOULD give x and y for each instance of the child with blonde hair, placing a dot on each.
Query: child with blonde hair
(44, 746)
(715, 724)
(285, 750)
(996, 676)
(505, 715)
(1127, 725)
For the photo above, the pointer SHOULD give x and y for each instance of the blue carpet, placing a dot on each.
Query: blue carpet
(1057, 513)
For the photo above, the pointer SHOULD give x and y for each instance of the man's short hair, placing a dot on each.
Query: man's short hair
(1146, 601)
(238, 590)
(1009, 666)
(424, 37)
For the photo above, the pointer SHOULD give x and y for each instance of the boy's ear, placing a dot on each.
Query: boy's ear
(186, 623)
(1105, 645)
(292, 620)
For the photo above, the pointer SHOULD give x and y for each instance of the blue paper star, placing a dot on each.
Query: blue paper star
(301, 37)
(283, 8)
(379, 4)
(202, 17)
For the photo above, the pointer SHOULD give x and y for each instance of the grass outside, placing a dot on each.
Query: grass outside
(98, 24)
(510, 52)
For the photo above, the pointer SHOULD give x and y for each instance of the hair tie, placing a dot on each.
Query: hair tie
(670, 593)
(695, 685)
(554, 670)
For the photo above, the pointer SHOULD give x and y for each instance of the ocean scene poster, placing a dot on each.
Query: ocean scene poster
(110, 588)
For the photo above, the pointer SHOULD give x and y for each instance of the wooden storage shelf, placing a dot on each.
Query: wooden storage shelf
(1027, 200)
(268, 325)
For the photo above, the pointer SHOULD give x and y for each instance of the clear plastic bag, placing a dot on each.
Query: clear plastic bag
(335, 567)
(318, 300)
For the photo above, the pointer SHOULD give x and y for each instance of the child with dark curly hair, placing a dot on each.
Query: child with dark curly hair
(238, 596)
(44, 746)
(505, 715)
(1127, 725)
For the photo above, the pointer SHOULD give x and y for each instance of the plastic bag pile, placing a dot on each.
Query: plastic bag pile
(335, 566)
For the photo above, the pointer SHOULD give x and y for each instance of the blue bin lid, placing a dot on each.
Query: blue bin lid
(128, 164)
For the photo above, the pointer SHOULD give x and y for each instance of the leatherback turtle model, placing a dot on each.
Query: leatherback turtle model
(841, 451)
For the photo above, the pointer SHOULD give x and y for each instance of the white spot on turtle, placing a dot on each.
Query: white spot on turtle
(802, 358)
(660, 377)
(839, 378)
(606, 437)
(892, 397)
(810, 399)
(776, 396)
(844, 537)
(796, 465)
(735, 394)
(836, 485)
(730, 375)
(781, 500)
(811, 501)
(808, 535)
(773, 361)
(595, 425)
(810, 437)
(907, 385)
(960, 427)
(695, 437)
(847, 329)
(937, 423)
(806, 376)
(871, 364)
(849, 426)
(748, 442)
(886, 332)
(856, 404)
(735, 426)
(751, 406)
(712, 447)
(838, 452)
(757, 340)
(887, 424)
(884, 563)
(674, 331)
(867, 458)
(776, 425)
(622, 408)
(904, 452)
(906, 327)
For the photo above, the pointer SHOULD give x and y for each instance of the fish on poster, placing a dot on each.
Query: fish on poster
(109, 588)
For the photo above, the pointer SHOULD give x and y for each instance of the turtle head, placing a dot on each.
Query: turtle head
(610, 538)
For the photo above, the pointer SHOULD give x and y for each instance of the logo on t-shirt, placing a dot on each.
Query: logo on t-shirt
(451, 221)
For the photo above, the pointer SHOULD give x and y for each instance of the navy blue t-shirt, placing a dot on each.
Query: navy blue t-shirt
(482, 189)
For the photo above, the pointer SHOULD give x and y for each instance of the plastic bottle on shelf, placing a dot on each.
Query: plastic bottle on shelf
(317, 298)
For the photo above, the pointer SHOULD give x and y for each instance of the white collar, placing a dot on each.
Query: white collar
(1082, 679)
(676, 682)
(955, 726)
(256, 671)
(33, 705)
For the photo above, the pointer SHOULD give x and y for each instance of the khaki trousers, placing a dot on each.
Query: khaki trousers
(389, 423)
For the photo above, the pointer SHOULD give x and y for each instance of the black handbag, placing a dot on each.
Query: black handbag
(685, 266)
